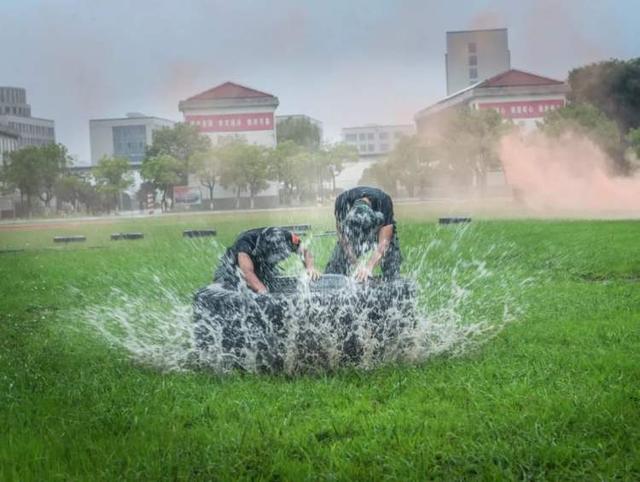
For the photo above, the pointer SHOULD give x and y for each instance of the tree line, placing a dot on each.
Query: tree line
(604, 105)
(43, 174)
(301, 165)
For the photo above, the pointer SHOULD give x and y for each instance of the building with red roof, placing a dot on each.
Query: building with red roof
(225, 112)
(520, 96)
(231, 110)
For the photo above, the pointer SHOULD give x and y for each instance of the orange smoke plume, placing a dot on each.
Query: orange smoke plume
(569, 174)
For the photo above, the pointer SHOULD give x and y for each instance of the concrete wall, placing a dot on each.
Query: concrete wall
(492, 55)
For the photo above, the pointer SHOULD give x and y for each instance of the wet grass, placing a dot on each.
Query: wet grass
(554, 396)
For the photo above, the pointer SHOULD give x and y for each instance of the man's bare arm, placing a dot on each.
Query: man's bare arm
(246, 266)
(307, 260)
(384, 240)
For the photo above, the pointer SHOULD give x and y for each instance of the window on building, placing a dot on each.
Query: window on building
(471, 46)
(370, 136)
(473, 73)
(350, 137)
(362, 148)
(384, 147)
(473, 60)
(130, 142)
(371, 147)
(383, 135)
(362, 136)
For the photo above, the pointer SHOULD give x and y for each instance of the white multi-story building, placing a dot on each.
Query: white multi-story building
(126, 137)
(8, 141)
(374, 141)
(15, 113)
(475, 55)
(231, 110)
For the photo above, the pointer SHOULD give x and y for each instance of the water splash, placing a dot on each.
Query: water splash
(466, 293)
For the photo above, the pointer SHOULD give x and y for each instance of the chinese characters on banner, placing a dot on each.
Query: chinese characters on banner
(525, 109)
(261, 121)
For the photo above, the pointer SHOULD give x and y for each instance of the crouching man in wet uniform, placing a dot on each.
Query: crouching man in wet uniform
(253, 258)
(364, 221)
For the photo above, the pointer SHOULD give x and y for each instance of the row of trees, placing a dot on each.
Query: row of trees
(44, 173)
(604, 106)
(35, 171)
(464, 148)
(300, 164)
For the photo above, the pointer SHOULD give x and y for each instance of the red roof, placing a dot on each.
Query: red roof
(515, 78)
(229, 90)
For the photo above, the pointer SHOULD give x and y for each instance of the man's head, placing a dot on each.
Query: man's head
(362, 222)
(275, 245)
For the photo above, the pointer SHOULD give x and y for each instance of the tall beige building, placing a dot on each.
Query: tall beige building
(475, 55)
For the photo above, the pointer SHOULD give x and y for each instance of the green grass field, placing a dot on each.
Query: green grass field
(555, 394)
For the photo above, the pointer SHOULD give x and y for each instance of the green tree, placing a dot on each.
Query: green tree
(112, 175)
(35, 170)
(246, 167)
(587, 120)
(633, 138)
(300, 131)
(255, 163)
(411, 164)
(163, 172)
(89, 196)
(53, 160)
(335, 156)
(381, 175)
(469, 143)
(68, 189)
(208, 167)
(284, 167)
(21, 170)
(613, 87)
(181, 142)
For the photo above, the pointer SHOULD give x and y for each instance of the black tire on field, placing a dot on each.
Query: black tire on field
(238, 329)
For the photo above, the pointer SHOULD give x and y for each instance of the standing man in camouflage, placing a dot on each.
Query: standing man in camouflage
(364, 222)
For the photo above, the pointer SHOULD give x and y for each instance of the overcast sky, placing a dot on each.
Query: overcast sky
(342, 62)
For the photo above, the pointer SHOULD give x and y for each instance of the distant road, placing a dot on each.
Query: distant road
(8, 224)
(46, 223)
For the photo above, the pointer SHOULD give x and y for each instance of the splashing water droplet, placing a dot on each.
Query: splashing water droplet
(462, 298)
